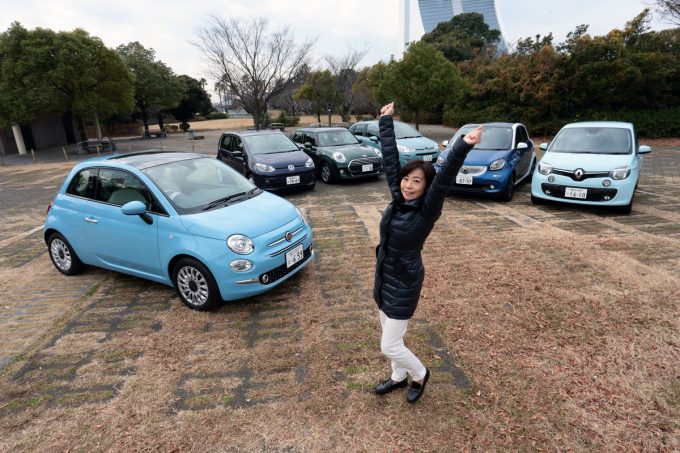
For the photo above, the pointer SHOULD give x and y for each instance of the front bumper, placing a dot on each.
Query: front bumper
(619, 193)
(271, 262)
(279, 180)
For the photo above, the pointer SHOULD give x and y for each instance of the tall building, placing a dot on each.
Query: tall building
(432, 12)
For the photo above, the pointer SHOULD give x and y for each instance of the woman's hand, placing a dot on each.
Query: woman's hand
(473, 137)
(387, 109)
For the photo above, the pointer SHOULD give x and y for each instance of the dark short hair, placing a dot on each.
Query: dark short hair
(427, 168)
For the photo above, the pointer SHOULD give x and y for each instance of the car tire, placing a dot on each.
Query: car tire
(195, 284)
(625, 209)
(537, 200)
(509, 191)
(327, 173)
(531, 171)
(63, 256)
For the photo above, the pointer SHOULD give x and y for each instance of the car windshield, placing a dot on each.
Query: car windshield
(337, 138)
(269, 144)
(195, 184)
(403, 130)
(493, 137)
(592, 140)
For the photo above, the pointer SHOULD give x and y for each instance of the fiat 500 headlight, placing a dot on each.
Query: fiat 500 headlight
(497, 164)
(544, 169)
(620, 173)
(240, 244)
(265, 168)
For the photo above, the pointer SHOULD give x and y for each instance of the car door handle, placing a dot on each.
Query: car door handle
(91, 219)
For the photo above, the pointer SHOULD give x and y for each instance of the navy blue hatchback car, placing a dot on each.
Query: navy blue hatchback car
(269, 159)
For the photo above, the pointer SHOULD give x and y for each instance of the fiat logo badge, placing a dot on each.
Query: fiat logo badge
(578, 174)
(291, 167)
(289, 236)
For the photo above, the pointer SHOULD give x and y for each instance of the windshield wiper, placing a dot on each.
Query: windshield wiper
(223, 200)
(411, 136)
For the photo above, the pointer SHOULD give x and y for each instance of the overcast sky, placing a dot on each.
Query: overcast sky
(168, 26)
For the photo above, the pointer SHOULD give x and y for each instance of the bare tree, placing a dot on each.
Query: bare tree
(670, 10)
(344, 71)
(255, 64)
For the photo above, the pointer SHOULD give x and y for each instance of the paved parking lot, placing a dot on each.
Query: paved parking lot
(85, 343)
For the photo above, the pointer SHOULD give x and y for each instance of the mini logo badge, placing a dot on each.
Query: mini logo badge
(291, 167)
(578, 173)
(289, 236)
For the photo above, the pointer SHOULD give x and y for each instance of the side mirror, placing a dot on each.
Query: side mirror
(137, 208)
(133, 208)
(544, 146)
(445, 143)
(644, 149)
(374, 139)
(522, 145)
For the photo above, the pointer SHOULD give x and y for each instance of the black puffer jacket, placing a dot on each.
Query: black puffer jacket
(399, 270)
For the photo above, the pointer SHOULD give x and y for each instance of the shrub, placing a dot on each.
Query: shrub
(184, 126)
(217, 116)
(287, 120)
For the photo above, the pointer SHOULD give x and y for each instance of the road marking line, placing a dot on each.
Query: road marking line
(19, 237)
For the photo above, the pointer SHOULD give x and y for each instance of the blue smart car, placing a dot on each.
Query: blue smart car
(594, 163)
(182, 219)
(495, 166)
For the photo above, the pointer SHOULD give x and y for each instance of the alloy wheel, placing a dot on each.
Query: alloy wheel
(192, 286)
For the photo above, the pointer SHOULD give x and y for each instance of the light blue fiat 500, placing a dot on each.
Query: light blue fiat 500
(593, 163)
(182, 219)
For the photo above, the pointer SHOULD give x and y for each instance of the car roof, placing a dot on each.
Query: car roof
(494, 124)
(148, 159)
(619, 124)
(245, 133)
(320, 129)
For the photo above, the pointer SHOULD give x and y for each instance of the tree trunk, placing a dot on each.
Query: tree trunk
(81, 129)
(19, 138)
(160, 122)
(417, 118)
(145, 119)
(98, 127)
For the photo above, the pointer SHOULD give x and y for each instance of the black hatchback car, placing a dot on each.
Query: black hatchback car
(269, 159)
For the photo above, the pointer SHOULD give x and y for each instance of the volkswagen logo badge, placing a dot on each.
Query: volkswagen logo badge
(578, 173)
(291, 167)
(289, 236)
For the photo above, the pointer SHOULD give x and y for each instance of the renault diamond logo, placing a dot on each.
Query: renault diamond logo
(291, 167)
(289, 236)
(578, 173)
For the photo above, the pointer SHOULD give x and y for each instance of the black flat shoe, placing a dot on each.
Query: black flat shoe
(389, 385)
(416, 390)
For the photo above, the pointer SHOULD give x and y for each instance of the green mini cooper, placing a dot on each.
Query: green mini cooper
(337, 154)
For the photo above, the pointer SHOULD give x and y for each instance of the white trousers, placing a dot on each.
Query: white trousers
(403, 361)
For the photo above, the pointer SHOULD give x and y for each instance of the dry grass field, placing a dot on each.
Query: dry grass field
(547, 328)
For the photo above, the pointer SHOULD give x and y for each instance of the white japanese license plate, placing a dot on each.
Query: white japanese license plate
(367, 167)
(464, 179)
(293, 179)
(294, 255)
(572, 192)
(427, 158)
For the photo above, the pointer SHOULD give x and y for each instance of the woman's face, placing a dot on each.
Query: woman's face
(413, 185)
